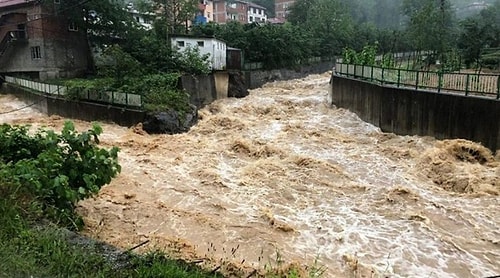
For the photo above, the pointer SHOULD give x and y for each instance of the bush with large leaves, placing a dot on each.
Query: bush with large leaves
(56, 169)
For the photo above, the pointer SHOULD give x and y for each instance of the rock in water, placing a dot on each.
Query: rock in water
(237, 86)
(170, 121)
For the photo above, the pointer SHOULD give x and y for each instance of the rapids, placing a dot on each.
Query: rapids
(280, 177)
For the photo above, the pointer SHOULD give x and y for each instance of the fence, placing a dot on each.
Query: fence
(116, 98)
(467, 83)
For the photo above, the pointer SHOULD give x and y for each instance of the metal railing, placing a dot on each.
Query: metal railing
(467, 83)
(117, 98)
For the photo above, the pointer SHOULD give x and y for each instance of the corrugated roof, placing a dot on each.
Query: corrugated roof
(8, 3)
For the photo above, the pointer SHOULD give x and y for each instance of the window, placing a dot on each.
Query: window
(36, 53)
(72, 26)
(137, 19)
(201, 43)
(208, 14)
(180, 43)
(251, 19)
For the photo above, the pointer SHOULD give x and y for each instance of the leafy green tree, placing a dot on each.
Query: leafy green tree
(176, 14)
(431, 24)
(327, 20)
(479, 33)
(103, 21)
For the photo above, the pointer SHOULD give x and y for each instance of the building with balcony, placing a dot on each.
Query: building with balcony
(36, 41)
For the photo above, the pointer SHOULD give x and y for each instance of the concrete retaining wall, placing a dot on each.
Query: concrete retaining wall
(257, 78)
(76, 109)
(204, 89)
(412, 112)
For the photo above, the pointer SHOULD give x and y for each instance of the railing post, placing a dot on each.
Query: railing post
(382, 80)
(354, 73)
(416, 80)
(362, 71)
(498, 87)
(371, 76)
(440, 80)
(467, 85)
(399, 76)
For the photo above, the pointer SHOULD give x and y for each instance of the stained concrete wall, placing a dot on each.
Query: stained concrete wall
(412, 112)
(76, 109)
(204, 89)
(257, 78)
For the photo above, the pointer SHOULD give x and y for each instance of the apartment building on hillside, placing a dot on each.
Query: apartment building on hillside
(238, 10)
(36, 42)
(282, 7)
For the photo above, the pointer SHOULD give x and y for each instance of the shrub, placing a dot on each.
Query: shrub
(58, 169)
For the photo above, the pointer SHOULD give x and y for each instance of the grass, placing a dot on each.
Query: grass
(31, 249)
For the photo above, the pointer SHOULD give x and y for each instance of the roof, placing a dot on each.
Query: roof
(256, 6)
(8, 3)
(276, 20)
(173, 36)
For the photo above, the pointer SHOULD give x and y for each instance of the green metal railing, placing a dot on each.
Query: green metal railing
(117, 98)
(467, 83)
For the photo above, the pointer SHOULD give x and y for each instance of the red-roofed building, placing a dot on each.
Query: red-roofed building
(36, 42)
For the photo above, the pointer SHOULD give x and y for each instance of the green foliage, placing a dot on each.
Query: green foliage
(479, 33)
(160, 91)
(78, 88)
(364, 57)
(491, 60)
(331, 25)
(276, 46)
(116, 63)
(59, 169)
(175, 14)
(190, 60)
(102, 21)
(431, 24)
(451, 61)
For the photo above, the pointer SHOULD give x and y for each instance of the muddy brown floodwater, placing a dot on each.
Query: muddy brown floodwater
(281, 174)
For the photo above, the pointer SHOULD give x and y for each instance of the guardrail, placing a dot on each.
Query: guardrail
(467, 83)
(123, 99)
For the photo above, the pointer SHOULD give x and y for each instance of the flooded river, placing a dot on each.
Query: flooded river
(280, 177)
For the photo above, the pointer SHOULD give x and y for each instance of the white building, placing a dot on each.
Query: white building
(207, 45)
(256, 13)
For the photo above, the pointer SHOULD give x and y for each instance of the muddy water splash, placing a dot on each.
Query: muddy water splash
(282, 172)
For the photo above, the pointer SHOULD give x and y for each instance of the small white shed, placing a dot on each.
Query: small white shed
(207, 45)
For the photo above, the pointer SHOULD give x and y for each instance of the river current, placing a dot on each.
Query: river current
(282, 179)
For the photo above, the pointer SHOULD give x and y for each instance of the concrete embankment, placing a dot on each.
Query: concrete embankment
(415, 112)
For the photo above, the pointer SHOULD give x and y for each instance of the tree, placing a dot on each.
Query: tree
(431, 24)
(328, 21)
(103, 21)
(176, 14)
(480, 32)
